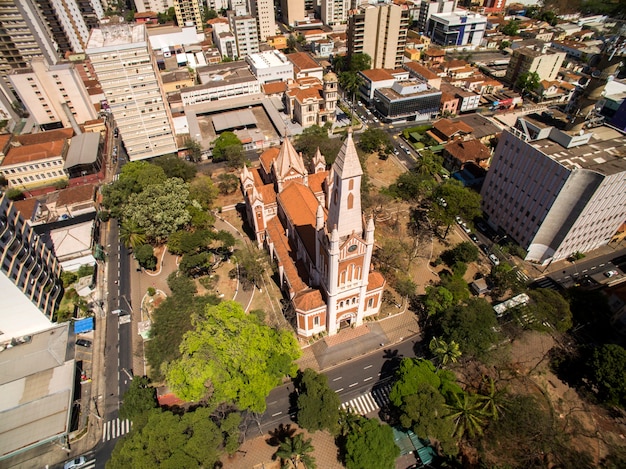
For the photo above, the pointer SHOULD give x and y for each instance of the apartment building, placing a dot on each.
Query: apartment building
(158, 6)
(189, 12)
(555, 191)
(263, 11)
(293, 11)
(427, 8)
(54, 95)
(244, 28)
(541, 60)
(126, 68)
(334, 13)
(457, 28)
(311, 102)
(379, 31)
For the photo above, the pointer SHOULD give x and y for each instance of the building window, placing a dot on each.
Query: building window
(370, 303)
(316, 321)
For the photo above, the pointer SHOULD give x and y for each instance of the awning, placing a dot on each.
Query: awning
(83, 325)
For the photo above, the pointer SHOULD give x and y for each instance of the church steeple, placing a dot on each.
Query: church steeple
(289, 165)
(344, 201)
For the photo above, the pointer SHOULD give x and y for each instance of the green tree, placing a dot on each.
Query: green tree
(230, 357)
(318, 405)
(166, 440)
(437, 300)
(204, 191)
(360, 62)
(174, 167)
(375, 140)
(350, 83)
(411, 186)
(371, 446)
(466, 413)
(405, 286)
(511, 28)
(209, 14)
(227, 183)
(471, 325)
(465, 252)
(446, 352)
(428, 164)
(145, 256)
(315, 137)
(138, 400)
(550, 306)
(15, 194)
(225, 141)
(504, 279)
(160, 209)
(131, 234)
(494, 400)
(235, 157)
(528, 81)
(607, 371)
(294, 451)
(451, 199)
(252, 264)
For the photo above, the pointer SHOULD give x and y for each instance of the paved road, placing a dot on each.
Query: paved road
(593, 268)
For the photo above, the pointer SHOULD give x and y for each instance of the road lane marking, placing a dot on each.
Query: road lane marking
(337, 379)
(368, 366)
(339, 390)
(353, 384)
(277, 413)
(367, 379)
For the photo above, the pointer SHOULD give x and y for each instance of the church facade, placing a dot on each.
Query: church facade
(311, 223)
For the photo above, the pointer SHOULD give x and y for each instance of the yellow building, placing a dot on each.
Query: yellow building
(277, 42)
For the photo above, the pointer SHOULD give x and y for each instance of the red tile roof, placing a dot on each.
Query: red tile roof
(29, 153)
(467, 150)
(316, 181)
(308, 300)
(375, 280)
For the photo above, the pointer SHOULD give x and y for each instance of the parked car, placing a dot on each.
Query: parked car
(459, 220)
(481, 226)
(484, 248)
(74, 463)
(494, 259)
(611, 273)
(465, 228)
(473, 237)
(83, 343)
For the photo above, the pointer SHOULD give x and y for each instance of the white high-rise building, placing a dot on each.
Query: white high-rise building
(263, 10)
(53, 94)
(246, 34)
(128, 73)
(187, 12)
(334, 12)
(158, 6)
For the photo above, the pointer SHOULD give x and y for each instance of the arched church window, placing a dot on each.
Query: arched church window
(350, 200)
(342, 277)
(341, 304)
(351, 184)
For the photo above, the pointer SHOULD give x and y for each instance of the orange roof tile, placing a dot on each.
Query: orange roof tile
(377, 74)
(29, 153)
(299, 203)
(308, 300)
(76, 194)
(303, 61)
(4, 139)
(421, 70)
(282, 249)
(267, 157)
(268, 193)
(375, 280)
(42, 137)
(274, 88)
(467, 150)
(316, 180)
(448, 128)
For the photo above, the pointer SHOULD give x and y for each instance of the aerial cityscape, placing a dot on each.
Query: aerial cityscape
(376, 234)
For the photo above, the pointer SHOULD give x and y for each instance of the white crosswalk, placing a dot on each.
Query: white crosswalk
(115, 429)
(89, 464)
(370, 402)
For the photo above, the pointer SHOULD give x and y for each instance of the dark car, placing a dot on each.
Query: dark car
(484, 248)
(473, 237)
(83, 342)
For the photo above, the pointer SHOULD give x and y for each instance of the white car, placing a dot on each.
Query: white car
(75, 463)
(494, 259)
(611, 273)
(459, 220)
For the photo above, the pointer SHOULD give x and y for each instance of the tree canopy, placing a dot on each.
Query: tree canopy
(315, 137)
(139, 399)
(528, 81)
(171, 441)
(231, 357)
(371, 445)
(318, 405)
(225, 143)
(174, 167)
(549, 306)
(607, 369)
(451, 199)
(160, 209)
(375, 140)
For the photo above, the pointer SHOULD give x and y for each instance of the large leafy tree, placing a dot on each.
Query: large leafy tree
(371, 446)
(411, 186)
(528, 81)
(315, 137)
(174, 167)
(318, 405)
(451, 199)
(375, 140)
(511, 28)
(139, 399)
(607, 370)
(167, 440)
(471, 325)
(550, 306)
(295, 450)
(437, 300)
(171, 319)
(227, 141)
(203, 190)
(360, 62)
(160, 209)
(231, 357)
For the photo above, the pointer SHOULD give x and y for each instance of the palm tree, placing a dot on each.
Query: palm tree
(445, 351)
(131, 234)
(349, 422)
(467, 416)
(295, 450)
(493, 400)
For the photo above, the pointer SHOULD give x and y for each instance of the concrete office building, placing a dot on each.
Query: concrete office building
(555, 191)
(334, 13)
(54, 95)
(244, 29)
(270, 66)
(427, 8)
(457, 28)
(188, 12)
(412, 100)
(380, 32)
(541, 60)
(127, 70)
(158, 6)
(263, 11)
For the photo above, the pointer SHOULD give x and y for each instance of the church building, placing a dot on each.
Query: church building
(311, 223)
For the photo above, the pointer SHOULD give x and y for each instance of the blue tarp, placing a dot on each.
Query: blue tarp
(83, 325)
